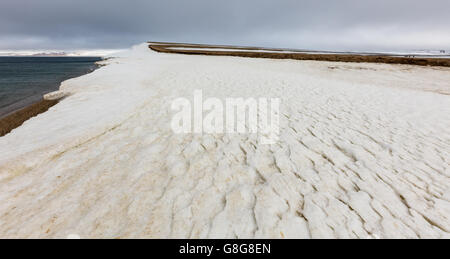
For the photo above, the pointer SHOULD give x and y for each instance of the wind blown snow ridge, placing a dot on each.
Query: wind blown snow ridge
(364, 152)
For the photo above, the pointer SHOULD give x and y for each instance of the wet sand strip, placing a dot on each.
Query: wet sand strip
(17, 118)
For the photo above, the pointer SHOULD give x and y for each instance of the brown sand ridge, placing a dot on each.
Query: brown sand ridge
(166, 47)
(14, 120)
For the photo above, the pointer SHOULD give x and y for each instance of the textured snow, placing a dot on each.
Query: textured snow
(364, 152)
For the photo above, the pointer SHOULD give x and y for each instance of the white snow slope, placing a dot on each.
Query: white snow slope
(364, 152)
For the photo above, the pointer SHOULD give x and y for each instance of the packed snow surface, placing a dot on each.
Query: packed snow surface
(364, 152)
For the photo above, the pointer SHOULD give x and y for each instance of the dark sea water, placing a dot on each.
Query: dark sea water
(24, 80)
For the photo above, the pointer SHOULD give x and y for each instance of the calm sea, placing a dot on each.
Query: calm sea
(23, 80)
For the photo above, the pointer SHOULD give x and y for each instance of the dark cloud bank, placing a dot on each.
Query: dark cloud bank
(307, 24)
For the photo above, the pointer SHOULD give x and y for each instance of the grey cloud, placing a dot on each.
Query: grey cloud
(311, 24)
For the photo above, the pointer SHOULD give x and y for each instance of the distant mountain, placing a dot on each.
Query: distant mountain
(57, 53)
(51, 54)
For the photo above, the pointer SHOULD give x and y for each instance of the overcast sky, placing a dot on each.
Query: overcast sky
(307, 24)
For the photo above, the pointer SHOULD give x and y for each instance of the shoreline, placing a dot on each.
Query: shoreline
(19, 105)
(15, 114)
(200, 49)
(17, 118)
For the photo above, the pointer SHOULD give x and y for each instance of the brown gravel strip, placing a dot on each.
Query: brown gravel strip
(14, 120)
(420, 61)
